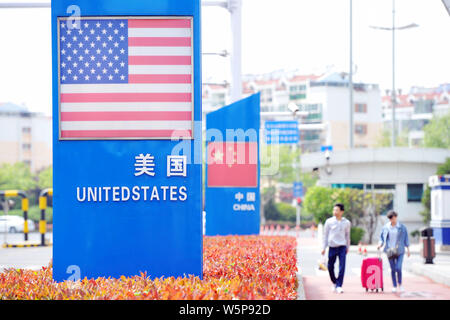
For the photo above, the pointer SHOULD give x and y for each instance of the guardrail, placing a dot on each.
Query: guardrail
(25, 206)
(42, 207)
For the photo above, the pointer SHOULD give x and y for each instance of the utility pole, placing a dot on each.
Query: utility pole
(235, 9)
(393, 94)
(350, 80)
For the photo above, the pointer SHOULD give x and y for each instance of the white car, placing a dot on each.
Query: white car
(14, 224)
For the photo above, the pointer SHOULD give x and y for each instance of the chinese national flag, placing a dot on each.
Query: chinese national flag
(232, 164)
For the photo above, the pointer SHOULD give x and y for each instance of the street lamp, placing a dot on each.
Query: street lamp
(394, 97)
(447, 5)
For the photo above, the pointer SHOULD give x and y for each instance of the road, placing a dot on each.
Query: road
(24, 258)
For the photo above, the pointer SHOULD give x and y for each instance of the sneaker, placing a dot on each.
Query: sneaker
(333, 288)
(401, 289)
(394, 290)
(339, 290)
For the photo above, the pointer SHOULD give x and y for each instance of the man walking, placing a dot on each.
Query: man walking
(337, 238)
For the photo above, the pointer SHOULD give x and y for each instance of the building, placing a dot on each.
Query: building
(401, 172)
(331, 95)
(324, 97)
(415, 109)
(25, 137)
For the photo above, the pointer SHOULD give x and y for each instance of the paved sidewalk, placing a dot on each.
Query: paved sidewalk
(421, 281)
(416, 288)
(439, 271)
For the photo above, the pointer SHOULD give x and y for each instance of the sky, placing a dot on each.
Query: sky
(311, 36)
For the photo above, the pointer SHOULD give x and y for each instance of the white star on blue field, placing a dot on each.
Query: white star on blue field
(94, 51)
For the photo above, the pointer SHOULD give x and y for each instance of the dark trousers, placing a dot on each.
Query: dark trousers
(396, 270)
(333, 253)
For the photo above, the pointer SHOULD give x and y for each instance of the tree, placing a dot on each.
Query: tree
(437, 132)
(318, 203)
(361, 208)
(385, 139)
(16, 176)
(45, 178)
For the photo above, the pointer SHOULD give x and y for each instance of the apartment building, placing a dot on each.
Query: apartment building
(326, 100)
(25, 137)
(415, 109)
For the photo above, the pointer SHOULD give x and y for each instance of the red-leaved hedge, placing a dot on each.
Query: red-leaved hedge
(235, 267)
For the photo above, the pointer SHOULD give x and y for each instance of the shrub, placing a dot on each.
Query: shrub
(235, 267)
(34, 214)
(356, 234)
(286, 211)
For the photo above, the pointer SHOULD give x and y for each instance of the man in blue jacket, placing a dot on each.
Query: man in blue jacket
(394, 237)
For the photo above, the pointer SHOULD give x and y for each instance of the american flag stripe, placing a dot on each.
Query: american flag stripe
(124, 125)
(126, 97)
(128, 116)
(160, 42)
(160, 78)
(158, 32)
(159, 51)
(129, 106)
(160, 60)
(131, 88)
(160, 70)
(159, 23)
(125, 133)
(152, 99)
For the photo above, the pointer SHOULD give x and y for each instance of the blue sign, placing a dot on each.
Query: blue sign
(126, 138)
(325, 148)
(232, 199)
(298, 189)
(281, 132)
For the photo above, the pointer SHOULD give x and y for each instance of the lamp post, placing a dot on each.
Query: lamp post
(394, 96)
(297, 113)
(235, 9)
(447, 5)
(350, 78)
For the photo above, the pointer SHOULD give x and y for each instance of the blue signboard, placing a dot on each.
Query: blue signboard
(126, 138)
(298, 189)
(281, 132)
(325, 148)
(232, 199)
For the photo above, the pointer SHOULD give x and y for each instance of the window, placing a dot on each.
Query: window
(385, 186)
(360, 128)
(361, 107)
(26, 130)
(26, 146)
(415, 191)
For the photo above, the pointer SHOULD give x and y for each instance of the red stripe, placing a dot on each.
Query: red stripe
(126, 133)
(159, 78)
(159, 60)
(126, 116)
(125, 97)
(159, 23)
(159, 41)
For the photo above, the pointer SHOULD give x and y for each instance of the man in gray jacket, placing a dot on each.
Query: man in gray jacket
(337, 238)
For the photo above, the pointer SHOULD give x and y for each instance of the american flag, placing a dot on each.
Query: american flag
(125, 78)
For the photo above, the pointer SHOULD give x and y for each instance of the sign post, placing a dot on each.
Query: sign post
(282, 132)
(232, 198)
(126, 138)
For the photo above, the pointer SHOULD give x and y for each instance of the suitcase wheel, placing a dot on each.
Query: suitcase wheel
(367, 289)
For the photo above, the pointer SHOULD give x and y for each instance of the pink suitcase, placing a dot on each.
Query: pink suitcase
(372, 274)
